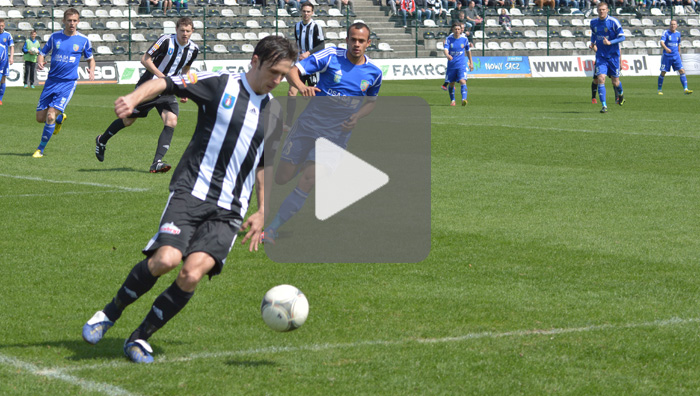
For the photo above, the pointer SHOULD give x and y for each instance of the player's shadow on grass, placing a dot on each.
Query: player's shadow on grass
(115, 170)
(107, 348)
(17, 154)
(250, 363)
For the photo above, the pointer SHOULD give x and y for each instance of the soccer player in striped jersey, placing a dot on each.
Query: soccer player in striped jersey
(66, 48)
(349, 76)
(606, 35)
(210, 188)
(671, 57)
(170, 55)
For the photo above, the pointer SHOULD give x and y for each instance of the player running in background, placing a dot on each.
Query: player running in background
(456, 48)
(209, 192)
(4, 66)
(594, 83)
(606, 35)
(671, 57)
(66, 48)
(347, 76)
(170, 55)
(7, 41)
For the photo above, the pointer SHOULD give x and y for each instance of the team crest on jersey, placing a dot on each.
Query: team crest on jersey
(58, 44)
(170, 51)
(227, 101)
(364, 84)
(461, 45)
(338, 76)
(76, 47)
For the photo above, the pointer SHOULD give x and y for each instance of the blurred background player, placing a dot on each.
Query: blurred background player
(309, 38)
(204, 212)
(170, 55)
(671, 56)
(31, 52)
(456, 48)
(606, 35)
(6, 40)
(347, 76)
(66, 48)
(4, 65)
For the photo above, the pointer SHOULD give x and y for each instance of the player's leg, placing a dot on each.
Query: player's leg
(601, 90)
(293, 202)
(661, 80)
(684, 80)
(2, 87)
(101, 140)
(451, 91)
(594, 89)
(169, 111)
(463, 85)
(48, 117)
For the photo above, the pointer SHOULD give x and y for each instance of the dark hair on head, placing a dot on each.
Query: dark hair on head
(2, 20)
(69, 12)
(358, 26)
(456, 23)
(187, 21)
(274, 49)
(307, 4)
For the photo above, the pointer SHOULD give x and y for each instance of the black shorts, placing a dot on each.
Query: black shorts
(192, 225)
(165, 102)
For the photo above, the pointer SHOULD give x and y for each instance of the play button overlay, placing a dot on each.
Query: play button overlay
(337, 191)
(344, 179)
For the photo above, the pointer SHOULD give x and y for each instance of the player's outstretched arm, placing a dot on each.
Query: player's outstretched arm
(256, 221)
(294, 78)
(124, 105)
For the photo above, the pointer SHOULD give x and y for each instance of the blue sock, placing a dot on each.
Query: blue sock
(46, 136)
(290, 206)
(464, 91)
(661, 82)
(684, 81)
(59, 119)
(2, 90)
(451, 90)
(601, 94)
(618, 89)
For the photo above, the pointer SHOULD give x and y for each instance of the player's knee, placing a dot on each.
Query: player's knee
(164, 261)
(40, 117)
(189, 278)
(129, 121)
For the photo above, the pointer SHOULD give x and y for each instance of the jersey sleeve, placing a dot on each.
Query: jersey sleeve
(374, 89)
(47, 47)
(195, 52)
(160, 46)
(316, 62)
(201, 87)
(87, 49)
(318, 38)
(10, 41)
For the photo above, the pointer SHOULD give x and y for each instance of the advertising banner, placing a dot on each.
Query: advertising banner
(691, 63)
(105, 73)
(434, 68)
(582, 66)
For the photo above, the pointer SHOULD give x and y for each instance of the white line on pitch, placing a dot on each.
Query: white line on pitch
(91, 386)
(323, 347)
(74, 182)
(63, 193)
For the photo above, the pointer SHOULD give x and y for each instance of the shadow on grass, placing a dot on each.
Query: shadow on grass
(250, 363)
(79, 350)
(18, 154)
(115, 170)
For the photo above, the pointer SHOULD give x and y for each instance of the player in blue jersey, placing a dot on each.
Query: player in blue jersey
(456, 48)
(349, 76)
(671, 57)
(66, 48)
(7, 41)
(4, 67)
(606, 35)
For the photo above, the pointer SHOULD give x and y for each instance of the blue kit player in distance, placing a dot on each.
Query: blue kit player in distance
(606, 35)
(66, 48)
(346, 75)
(4, 63)
(9, 44)
(456, 48)
(671, 57)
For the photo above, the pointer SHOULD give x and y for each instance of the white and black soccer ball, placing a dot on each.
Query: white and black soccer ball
(284, 308)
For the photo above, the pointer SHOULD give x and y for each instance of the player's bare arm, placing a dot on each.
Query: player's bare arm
(256, 221)
(91, 68)
(40, 62)
(147, 62)
(364, 111)
(447, 54)
(125, 105)
(294, 78)
(468, 54)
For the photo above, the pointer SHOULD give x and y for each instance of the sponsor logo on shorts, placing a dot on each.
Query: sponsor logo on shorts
(170, 228)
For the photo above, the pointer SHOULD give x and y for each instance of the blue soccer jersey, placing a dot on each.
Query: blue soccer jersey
(65, 54)
(6, 39)
(611, 29)
(672, 41)
(457, 48)
(4, 65)
(339, 78)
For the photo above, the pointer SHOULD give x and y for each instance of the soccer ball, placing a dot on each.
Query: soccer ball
(284, 308)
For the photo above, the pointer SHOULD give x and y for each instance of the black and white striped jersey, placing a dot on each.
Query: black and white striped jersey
(220, 161)
(169, 56)
(308, 36)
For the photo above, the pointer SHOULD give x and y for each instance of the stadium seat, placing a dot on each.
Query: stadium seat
(252, 24)
(429, 23)
(25, 26)
(235, 49)
(565, 33)
(247, 48)
(113, 25)
(577, 22)
(555, 45)
(39, 26)
(43, 14)
(692, 22)
(138, 37)
(334, 12)
(237, 36)
(531, 45)
(87, 13)
(172, 13)
(580, 45)
(210, 37)
(541, 33)
(140, 25)
(334, 35)
(479, 34)
(282, 12)
(152, 37)
(220, 49)
(639, 44)
(105, 3)
(14, 14)
(568, 45)
(647, 22)
(321, 23)
(250, 36)
(104, 50)
(28, 14)
(627, 44)
(329, 45)
(527, 34)
(83, 25)
(94, 38)
(478, 46)
(506, 46)
(109, 38)
(686, 44)
(696, 43)
(223, 37)
(542, 45)
(694, 32)
(224, 24)
(254, 13)
(652, 44)
(529, 22)
(210, 24)
(281, 24)
(155, 25)
(519, 46)
(122, 37)
(384, 47)
(493, 46)
(125, 25)
(227, 13)
(656, 12)
(197, 37)
(231, 3)
(649, 32)
(116, 13)
(554, 22)
(158, 14)
(439, 45)
(262, 35)
(635, 22)
(491, 23)
(516, 23)
(120, 3)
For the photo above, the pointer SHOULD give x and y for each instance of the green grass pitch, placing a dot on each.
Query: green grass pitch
(565, 249)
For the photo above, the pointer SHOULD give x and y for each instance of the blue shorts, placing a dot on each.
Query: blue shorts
(4, 68)
(454, 75)
(56, 94)
(671, 61)
(610, 67)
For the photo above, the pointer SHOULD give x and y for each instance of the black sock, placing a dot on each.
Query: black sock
(594, 89)
(164, 308)
(166, 136)
(137, 283)
(112, 130)
(445, 84)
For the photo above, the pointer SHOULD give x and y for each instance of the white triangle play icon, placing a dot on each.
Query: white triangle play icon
(342, 179)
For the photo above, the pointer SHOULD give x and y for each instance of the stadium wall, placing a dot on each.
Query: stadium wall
(403, 69)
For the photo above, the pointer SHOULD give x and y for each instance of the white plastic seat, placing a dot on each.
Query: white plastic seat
(568, 45)
(254, 12)
(113, 25)
(580, 45)
(250, 36)
(282, 12)
(519, 45)
(103, 14)
(530, 34)
(491, 23)
(223, 36)
(58, 13)
(138, 37)
(500, 10)
(198, 25)
(196, 36)
(14, 14)
(332, 36)
(251, 24)
(541, 33)
(332, 23)
(439, 45)
(94, 38)
(320, 22)
(653, 44)
(334, 12)
(656, 12)
(529, 22)
(247, 48)
(83, 25)
(104, 50)
(384, 47)
(555, 45)
(237, 36)
(429, 23)
(516, 22)
(116, 13)
(478, 46)
(506, 46)
(696, 43)
(109, 38)
(343, 45)
(220, 49)
(647, 22)
(649, 32)
(493, 46)
(281, 24)
(694, 32)
(262, 35)
(25, 26)
(627, 44)
(577, 22)
(228, 13)
(565, 33)
(531, 45)
(87, 13)
(636, 22)
(125, 25)
(328, 45)
(542, 45)
(479, 34)
(554, 22)
(639, 44)
(515, 12)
